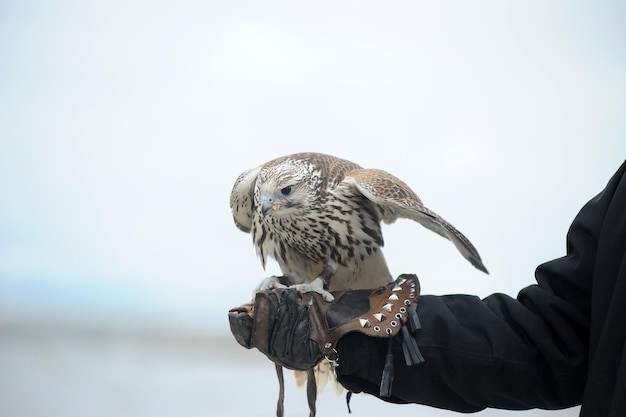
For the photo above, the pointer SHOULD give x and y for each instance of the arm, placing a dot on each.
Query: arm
(502, 352)
(479, 353)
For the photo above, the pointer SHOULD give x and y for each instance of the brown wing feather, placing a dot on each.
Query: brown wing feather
(396, 200)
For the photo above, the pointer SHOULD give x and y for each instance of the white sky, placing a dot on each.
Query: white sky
(123, 126)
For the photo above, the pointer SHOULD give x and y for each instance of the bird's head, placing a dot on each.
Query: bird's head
(286, 189)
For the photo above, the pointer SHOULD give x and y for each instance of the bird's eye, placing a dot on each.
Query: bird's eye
(286, 190)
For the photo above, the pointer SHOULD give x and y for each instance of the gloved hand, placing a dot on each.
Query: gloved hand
(278, 324)
(298, 330)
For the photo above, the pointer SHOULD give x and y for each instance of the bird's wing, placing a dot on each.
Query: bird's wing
(242, 199)
(396, 200)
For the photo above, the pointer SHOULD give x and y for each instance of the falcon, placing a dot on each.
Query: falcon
(320, 217)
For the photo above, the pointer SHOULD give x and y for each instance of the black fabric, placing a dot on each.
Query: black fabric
(560, 343)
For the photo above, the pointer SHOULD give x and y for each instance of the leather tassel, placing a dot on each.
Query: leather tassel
(348, 397)
(280, 405)
(405, 349)
(414, 320)
(311, 391)
(412, 354)
(387, 379)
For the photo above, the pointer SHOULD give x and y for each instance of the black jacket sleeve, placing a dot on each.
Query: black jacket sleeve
(538, 350)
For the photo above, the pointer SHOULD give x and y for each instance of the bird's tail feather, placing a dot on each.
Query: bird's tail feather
(323, 376)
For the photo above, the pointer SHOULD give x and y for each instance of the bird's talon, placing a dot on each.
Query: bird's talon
(268, 283)
(327, 296)
(317, 285)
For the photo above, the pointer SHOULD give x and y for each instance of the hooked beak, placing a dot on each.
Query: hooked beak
(269, 202)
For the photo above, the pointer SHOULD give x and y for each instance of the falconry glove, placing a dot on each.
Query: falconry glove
(278, 324)
(297, 330)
